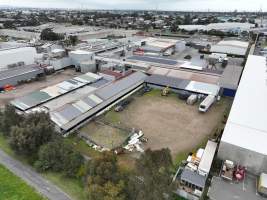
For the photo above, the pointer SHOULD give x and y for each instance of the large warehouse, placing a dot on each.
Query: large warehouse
(17, 74)
(244, 140)
(17, 56)
(73, 115)
(231, 47)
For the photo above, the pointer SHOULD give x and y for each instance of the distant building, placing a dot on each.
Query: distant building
(16, 57)
(231, 47)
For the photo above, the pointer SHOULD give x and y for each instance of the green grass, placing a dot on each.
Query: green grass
(112, 117)
(81, 146)
(13, 188)
(73, 187)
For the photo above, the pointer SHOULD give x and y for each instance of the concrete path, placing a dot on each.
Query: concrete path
(43, 186)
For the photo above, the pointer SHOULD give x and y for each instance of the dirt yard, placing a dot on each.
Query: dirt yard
(26, 88)
(168, 121)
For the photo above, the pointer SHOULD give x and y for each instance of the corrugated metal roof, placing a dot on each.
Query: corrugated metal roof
(230, 47)
(82, 106)
(207, 158)
(36, 98)
(230, 77)
(118, 86)
(13, 72)
(31, 100)
(69, 112)
(167, 81)
(203, 88)
(154, 60)
(177, 83)
(193, 178)
(95, 103)
(95, 98)
(89, 101)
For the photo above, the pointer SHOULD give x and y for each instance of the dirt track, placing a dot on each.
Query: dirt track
(169, 122)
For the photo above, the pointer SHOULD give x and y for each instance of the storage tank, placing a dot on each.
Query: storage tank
(88, 66)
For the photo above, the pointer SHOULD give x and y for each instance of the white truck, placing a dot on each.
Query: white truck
(206, 103)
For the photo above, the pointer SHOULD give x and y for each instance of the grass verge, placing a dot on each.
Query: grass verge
(72, 187)
(14, 188)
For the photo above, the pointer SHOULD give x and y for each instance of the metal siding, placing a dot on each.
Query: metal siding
(154, 60)
(229, 92)
(256, 163)
(14, 80)
(118, 86)
(69, 112)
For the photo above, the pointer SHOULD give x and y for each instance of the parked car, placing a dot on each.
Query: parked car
(188, 57)
(192, 99)
(183, 95)
(121, 105)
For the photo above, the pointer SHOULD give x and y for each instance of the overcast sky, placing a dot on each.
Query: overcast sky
(198, 5)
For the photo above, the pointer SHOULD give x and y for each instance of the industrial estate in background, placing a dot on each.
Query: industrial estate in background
(190, 82)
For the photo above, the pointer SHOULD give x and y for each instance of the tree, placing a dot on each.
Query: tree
(109, 191)
(59, 156)
(152, 181)
(9, 24)
(34, 131)
(73, 40)
(9, 118)
(48, 34)
(105, 180)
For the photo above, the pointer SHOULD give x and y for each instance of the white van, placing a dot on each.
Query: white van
(206, 103)
(192, 99)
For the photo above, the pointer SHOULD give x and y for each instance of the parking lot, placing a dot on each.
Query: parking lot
(245, 190)
(23, 89)
(167, 121)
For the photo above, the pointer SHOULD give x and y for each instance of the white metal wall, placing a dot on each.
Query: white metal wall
(255, 162)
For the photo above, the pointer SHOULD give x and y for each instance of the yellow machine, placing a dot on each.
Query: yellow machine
(165, 91)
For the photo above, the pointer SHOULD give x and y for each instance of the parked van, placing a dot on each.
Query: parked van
(192, 99)
(206, 103)
(262, 185)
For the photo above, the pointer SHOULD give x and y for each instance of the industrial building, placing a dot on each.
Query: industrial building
(231, 48)
(229, 80)
(225, 27)
(192, 177)
(245, 135)
(157, 46)
(47, 94)
(176, 84)
(16, 75)
(73, 102)
(17, 57)
(73, 115)
(83, 60)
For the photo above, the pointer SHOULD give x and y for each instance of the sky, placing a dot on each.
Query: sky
(189, 5)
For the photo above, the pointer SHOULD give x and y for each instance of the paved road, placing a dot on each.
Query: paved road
(34, 179)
